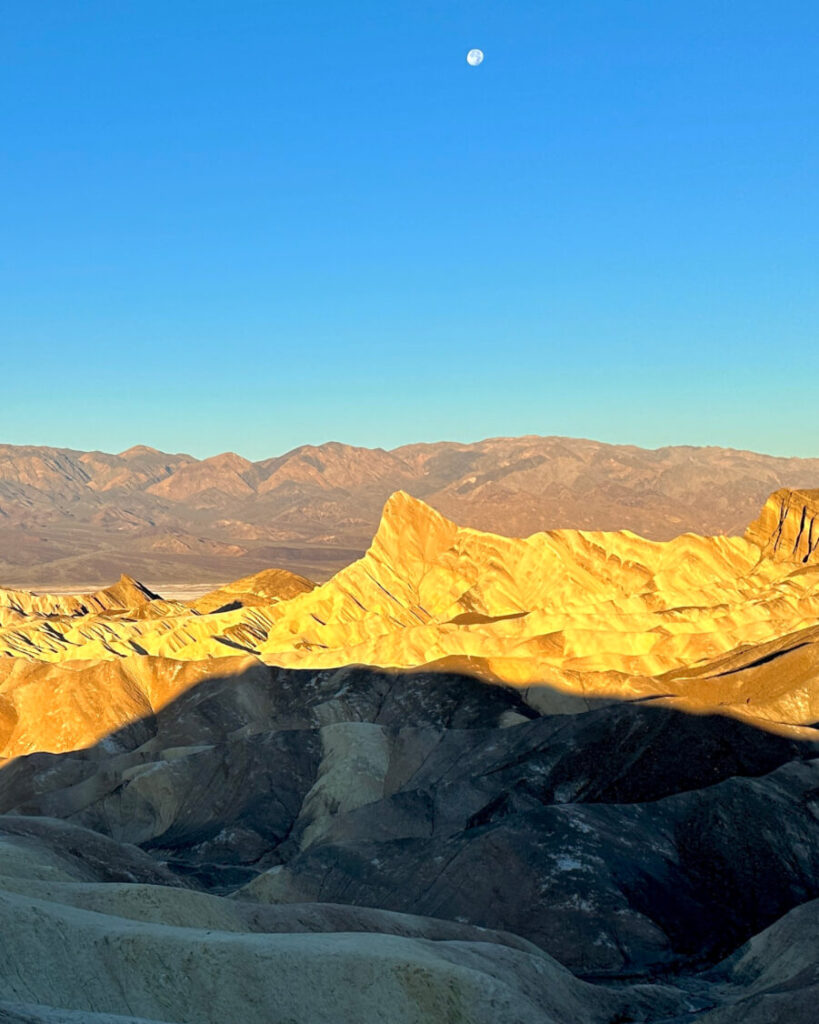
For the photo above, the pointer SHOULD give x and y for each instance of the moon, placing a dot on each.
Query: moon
(474, 57)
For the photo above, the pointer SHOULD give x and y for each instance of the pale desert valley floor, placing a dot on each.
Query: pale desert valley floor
(566, 778)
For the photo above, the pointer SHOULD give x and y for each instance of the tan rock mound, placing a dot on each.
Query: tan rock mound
(266, 587)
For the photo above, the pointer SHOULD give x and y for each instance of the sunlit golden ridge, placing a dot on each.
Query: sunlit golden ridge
(591, 613)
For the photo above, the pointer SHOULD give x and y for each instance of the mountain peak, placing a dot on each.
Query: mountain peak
(411, 527)
(228, 460)
(138, 449)
(125, 593)
(405, 509)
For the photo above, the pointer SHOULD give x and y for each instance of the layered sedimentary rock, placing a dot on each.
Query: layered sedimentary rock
(126, 595)
(564, 614)
(787, 529)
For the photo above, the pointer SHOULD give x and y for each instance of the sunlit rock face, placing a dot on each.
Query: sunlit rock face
(787, 529)
(694, 620)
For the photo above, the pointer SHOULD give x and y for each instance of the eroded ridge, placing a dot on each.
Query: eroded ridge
(695, 620)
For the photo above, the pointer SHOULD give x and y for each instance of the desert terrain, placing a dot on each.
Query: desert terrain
(345, 677)
(77, 520)
(469, 777)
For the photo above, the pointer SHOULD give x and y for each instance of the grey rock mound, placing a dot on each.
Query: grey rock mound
(424, 846)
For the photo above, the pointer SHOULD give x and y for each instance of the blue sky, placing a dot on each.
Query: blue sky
(250, 225)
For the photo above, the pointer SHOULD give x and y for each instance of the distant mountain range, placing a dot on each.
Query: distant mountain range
(70, 517)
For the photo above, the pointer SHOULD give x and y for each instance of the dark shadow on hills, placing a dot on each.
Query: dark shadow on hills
(231, 606)
(624, 839)
(764, 660)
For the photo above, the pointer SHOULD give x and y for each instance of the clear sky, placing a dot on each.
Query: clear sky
(251, 224)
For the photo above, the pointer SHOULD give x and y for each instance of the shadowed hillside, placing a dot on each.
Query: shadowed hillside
(401, 825)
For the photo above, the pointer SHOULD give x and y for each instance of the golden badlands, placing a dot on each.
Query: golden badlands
(728, 623)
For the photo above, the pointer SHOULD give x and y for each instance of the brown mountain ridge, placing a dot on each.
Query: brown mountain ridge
(78, 518)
